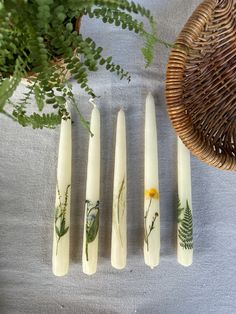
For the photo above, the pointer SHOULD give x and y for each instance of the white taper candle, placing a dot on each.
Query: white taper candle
(184, 228)
(151, 186)
(91, 218)
(119, 228)
(61, 233)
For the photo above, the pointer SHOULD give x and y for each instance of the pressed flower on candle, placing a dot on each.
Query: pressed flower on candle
(119, 211)
(92, 223)
(150, 194)
(185, 226)
(91, 217)
(61, 236)
(151, 187)
(60, 223)
(121, 203)
(119, 207)
(184, 208)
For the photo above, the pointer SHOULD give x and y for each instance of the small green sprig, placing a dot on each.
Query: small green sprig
(92, 223)
(119, 206)
(60, 216)
(121, 200)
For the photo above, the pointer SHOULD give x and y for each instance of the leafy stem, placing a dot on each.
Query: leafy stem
(149, 229)
(120, 197)
(60, 216)
(120, 203)
(92, 223)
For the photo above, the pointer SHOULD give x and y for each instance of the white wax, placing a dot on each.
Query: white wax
(151, 186)
(60, 255)
(184, 243)
(91, 219)
(119, 228)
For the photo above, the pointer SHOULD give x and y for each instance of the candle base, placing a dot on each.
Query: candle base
(118, 263)
(185, 258)
(59, 272)
(151, 261)
(88, 270)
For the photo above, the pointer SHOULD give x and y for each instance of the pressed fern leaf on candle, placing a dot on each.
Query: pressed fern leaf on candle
(185, 228)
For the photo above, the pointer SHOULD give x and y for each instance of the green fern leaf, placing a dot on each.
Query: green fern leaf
(185, 230)
(39, 97)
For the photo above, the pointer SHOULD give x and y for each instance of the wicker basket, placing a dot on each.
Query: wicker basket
(201, 84)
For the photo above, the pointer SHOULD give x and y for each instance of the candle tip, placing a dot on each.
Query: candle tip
(149, 95)
(150, 100)
(121, 113)
(91, 100)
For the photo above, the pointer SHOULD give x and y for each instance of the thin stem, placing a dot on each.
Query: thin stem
(152, 225)
(146, 235)
(86, 250)
(81, 117)
(119, 197)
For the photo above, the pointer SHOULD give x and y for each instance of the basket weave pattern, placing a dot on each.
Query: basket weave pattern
(201, 83)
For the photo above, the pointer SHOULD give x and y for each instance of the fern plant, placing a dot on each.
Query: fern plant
(40, 41)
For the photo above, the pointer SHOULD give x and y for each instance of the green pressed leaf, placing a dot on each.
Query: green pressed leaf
(92, 221)
(64, 231)
(60, 216)
(57, 231)
(185, 229)
(93, 230)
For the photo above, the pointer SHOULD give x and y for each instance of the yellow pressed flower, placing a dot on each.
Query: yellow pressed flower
(152, 193)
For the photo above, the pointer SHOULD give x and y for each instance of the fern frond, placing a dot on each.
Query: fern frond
(9, 85)
(34, 35)
(37, 121)
(185, 230)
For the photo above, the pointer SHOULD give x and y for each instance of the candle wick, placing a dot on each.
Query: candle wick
(91, 100)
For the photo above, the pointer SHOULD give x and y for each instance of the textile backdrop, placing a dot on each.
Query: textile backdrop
(28, 160)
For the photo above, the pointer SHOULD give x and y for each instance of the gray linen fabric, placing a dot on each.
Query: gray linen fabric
(28, 161)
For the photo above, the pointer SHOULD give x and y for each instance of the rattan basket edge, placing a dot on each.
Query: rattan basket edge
(181, 122)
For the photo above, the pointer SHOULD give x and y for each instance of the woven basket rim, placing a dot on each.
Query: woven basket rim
(181, 121)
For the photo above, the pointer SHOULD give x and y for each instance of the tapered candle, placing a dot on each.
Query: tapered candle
(119, 232)
(151, 185)
(61, 233)
(91, 217)
(185, 227)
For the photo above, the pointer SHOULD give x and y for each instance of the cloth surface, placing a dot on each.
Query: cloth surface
(28, 160)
